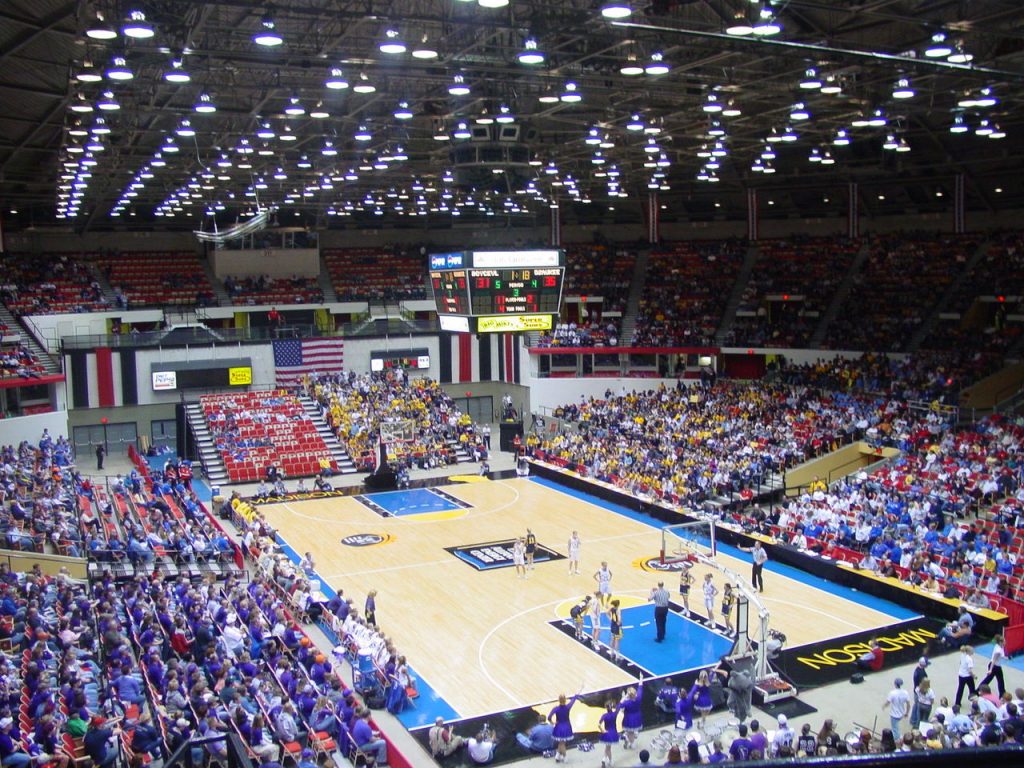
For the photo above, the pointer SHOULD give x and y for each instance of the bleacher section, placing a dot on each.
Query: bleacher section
(792, 284)
(604, 270)
(382, 274)
(52, 284)
(254, 430)
(901, 281)
(281, 290)
(688, 284)
(157, 278)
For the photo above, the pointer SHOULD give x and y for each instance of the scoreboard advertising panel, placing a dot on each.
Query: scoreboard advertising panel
(493, 284)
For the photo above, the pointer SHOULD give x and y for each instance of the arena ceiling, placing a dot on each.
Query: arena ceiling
(390, 151)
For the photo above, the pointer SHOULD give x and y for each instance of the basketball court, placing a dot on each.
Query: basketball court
(482, 640)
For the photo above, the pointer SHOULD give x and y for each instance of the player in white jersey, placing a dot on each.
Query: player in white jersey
(603, 577)
(574, 554)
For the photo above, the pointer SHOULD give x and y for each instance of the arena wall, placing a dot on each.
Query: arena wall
(13, 431)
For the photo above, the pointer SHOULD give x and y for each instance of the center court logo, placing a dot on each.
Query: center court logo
(367, 539)
(498, 554)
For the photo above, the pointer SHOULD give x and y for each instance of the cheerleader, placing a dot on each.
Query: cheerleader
(684, 709)
(685, 582)
(632, 714)
(370, 609)
(728, 600)
(710, 590)
(701, 695)
(609, 734)
(615, 619)
(562, 731)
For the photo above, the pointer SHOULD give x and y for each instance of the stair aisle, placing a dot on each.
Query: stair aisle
(839, 297)
(636, 290)
(729, 315)
(209, 456)
(17, 328)
(345, 464)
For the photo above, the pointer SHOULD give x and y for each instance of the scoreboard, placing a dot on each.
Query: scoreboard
(498, 284)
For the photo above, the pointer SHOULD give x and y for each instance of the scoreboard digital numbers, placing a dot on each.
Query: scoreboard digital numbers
(493, 284)
(451, 291)
(510, 291)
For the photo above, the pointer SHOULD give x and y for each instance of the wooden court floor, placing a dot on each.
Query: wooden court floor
(482, 638)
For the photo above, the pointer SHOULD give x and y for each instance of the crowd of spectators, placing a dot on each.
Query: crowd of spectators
(790, 287)
(687, 445)
(148, 278)
(898, 286)
(377, 273)
(355, 405)
(686, 290)
(602, 333)
(18, 362)
(600, 270)
(264, 289)
(50, 284)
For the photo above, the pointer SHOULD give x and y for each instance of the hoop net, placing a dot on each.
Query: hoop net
(688, 542)
(395, 438)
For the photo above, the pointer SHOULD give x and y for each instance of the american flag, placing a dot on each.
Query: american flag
(295, 358)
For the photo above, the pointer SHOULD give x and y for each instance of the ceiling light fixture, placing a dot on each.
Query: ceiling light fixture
(461, 131)
(107, 102)
(571, 95)
(336, 80)
(657, 65)
(632, 67)
(842, 138)
(799, 112)
(88, 73)
(268, 36)
(392, 43)
(831, 86)
(402, 112)
(364, 85)
(100, 29)
(423, 50)
(294, 108)
(902, 89)
(938, 48)
(83, 106)
(959, 55)
(959, 125)
(136, 26)
(458, 86)
(205, 105)
(616, 10)
(530, 54)
(177, 74)
(318, 112)
(766, 24)
(810, 81)
(119, 70)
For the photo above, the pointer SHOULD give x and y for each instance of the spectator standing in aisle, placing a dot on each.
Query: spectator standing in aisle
(100, 453)
(898, 704)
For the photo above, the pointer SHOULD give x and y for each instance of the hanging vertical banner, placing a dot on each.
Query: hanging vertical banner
(853, 210)
(556, 224)
(752, 214)
(653, 217)
(959, 219)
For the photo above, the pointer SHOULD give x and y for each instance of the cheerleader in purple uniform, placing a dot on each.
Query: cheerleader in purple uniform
(632, 715)
(684, 709)
(701, 694)
(562, 732)
(609, 734)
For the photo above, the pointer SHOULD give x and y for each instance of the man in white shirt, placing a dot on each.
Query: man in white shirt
(898, 704)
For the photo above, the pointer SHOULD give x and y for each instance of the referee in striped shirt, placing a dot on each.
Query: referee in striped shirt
(660, 596)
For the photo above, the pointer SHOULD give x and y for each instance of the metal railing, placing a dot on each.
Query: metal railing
(202, 335)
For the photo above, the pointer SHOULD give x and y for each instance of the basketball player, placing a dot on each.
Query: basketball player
(578, 613)
(728, 599)
(615, 620)
(531, 548)
(685, 582)
(710, 590)
(519, 558)
(603, 577)
(574, 554)
(595, 619)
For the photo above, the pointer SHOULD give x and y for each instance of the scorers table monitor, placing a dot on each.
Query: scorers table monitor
(487, 283)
